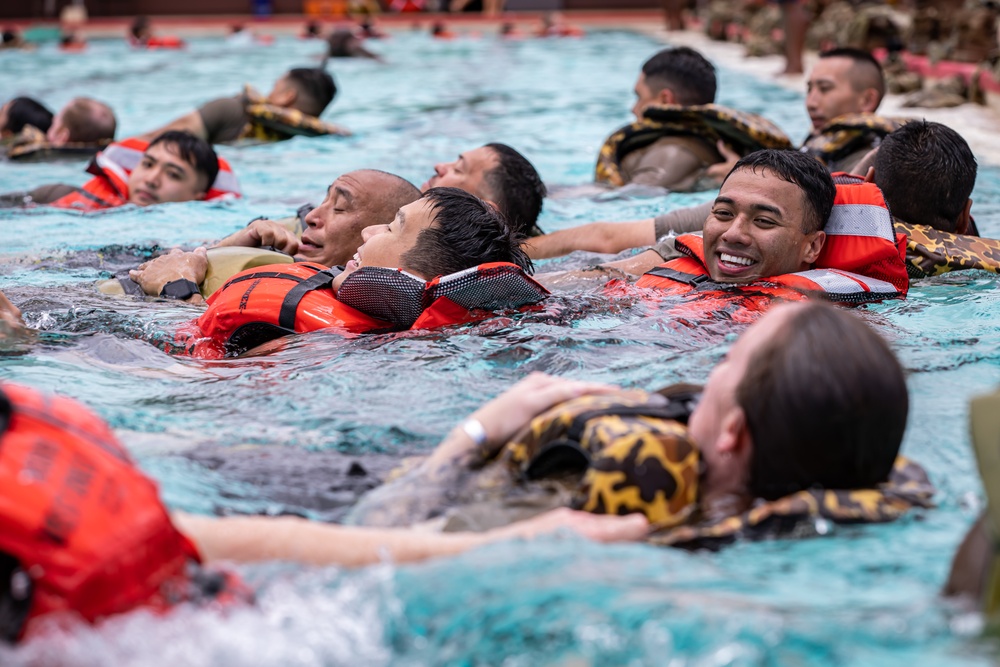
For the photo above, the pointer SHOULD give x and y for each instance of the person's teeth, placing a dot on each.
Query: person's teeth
(733, 259)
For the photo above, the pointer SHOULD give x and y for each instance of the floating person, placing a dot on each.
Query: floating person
(70, 41)
(140, 36)
(679, 133)
(439, 30)
(173, 167)
(20, 112)
(499, 174)
(779, 229)
(292, 108)
(343, 43)
(11, 38)
(93, 539)
(79, 129)
(447, 258)
(239, 35)
(554, 25)
(705, 467)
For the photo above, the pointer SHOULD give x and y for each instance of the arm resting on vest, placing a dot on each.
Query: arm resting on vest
(175, 265)
(43, 194)
(261, 233)
(606, 237)
(252, 539)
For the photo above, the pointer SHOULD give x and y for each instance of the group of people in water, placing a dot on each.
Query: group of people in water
(788, 425)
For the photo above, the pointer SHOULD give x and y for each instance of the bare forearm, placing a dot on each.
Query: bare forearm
(604, 237)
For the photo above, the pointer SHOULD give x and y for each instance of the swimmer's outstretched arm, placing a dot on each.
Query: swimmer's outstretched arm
(175, 265)
(11, 324)
(254, 539)
(605, 237)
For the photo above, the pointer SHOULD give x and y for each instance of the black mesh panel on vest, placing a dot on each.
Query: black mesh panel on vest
(385, 294)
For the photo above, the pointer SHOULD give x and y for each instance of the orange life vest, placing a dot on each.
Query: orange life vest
(111, 169)
(262, 304)
(82, 529)
(165, 42)
(863, 259)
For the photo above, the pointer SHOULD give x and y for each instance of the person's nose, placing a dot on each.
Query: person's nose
(153, 178)
(737, 232)
(314, 218)
(372, 230)
(812, 99)
(441, 168)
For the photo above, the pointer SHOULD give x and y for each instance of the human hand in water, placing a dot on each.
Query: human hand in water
(11, 323)
(720, 170)
(511, 411)
(598, 527)
(175, 265)
(261, 233)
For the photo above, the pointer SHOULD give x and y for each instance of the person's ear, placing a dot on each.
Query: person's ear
(285, 98)
(814, 246)
(964, 218)
(60, 136)
(666, 96)
(869, 100)
(870, 176)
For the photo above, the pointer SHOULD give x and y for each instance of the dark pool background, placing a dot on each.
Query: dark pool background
(860, 596)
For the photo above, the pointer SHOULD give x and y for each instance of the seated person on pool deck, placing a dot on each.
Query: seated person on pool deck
(173, 167)
(496, 173)
(292, 108)
(934, 212)
(787, 417)
(443, 258)
(679, 134)
(774, 230)
(80, 128)
(93, 538)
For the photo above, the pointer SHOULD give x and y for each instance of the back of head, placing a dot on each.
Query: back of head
(193, 150)
(516, 188)
(26, 111)
(803, 170)
(684, 71)
(826, 405)
(89, 121)
(926, 172)
(866, 72)
(467, 232)
(314, 88)
(139, 28)
(394, 192)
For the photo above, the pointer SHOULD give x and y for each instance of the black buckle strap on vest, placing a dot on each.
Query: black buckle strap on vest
(697, 282)
(6, 410)
(290, 305)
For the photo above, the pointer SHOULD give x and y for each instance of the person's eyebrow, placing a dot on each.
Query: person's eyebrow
(767, 208)
(344, 193)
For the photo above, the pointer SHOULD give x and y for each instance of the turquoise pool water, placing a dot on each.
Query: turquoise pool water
(860, 596)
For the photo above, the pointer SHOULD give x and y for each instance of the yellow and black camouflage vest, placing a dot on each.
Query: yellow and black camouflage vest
(273, 123)
(850, 133)
(931, 252)
(744, 131)
(31, 145)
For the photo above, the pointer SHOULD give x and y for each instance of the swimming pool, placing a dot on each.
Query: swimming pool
(865, 595)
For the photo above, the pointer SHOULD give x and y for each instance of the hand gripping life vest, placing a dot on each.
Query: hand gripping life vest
(262, 304)
(744, 131)
(111, 169)
(850, 133)
(82, 529)
(862, 260)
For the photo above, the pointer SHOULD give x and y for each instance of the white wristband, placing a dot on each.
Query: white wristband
(474, 429)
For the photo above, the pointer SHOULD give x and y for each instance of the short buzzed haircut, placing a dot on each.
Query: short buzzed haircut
(926, 172)
(467, 232)
(866, 72)
(195, 151)
(396, 193)
(516, 187)
(89, 121)
(685, 72)
(315, 88)
(804, 171)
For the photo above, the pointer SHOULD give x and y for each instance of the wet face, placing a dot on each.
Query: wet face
(644, 96)
(467, 173)
(717, 410)
(164, 176)
(334, 227)
(385, 245)
(830, 92)
(755, 229)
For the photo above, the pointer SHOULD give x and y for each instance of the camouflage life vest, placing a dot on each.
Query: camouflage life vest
(31, 145)
(273, 123)
(744, 131)
(850, 133)
(931, 252)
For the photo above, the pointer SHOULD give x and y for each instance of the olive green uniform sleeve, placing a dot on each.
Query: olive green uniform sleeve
(681, 221)
(224, 118)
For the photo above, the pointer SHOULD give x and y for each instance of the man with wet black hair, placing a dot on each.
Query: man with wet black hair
(676, 76)
(499, 174)
(302, 94)
(21, 111)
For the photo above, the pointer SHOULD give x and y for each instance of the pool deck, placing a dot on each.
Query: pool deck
(978, 124)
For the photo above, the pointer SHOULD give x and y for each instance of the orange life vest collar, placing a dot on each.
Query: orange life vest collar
(862, 260)
(111, 168)
(262, 304)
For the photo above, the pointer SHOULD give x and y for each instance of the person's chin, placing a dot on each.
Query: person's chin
(142, 199)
